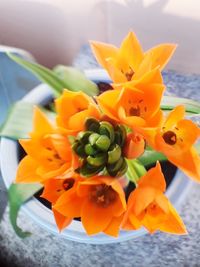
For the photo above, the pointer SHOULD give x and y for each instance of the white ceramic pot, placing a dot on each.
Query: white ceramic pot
(41, 214)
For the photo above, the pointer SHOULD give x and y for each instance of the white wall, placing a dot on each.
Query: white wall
(54, 30)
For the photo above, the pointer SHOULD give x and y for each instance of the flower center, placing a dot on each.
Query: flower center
(134, 111)
(68, 184)
(170, 137)
(129, 74)
(102, 195)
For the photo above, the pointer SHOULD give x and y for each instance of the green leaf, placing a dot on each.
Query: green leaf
(135, 170)
(20, 120)
(170, 102)
(17, 195)
(44, 74)
(75, 80)
(149, 157)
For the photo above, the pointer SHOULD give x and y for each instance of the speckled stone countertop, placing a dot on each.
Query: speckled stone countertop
(159, 250)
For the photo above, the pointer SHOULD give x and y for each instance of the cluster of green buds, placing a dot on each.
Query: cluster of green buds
(100, 148)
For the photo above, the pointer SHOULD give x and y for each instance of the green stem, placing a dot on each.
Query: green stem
(135, 170)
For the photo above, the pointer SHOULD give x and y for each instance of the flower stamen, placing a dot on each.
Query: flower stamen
(102, 195)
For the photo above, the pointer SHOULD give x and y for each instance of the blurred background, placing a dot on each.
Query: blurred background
(54, 30)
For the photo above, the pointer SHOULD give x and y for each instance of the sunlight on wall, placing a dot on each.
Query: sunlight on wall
(54, 30)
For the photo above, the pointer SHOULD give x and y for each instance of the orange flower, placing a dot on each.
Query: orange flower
(73, 109)
(134, 107)
(99, 201)
(53, 189)
(149, 207)
(134, 146)
(129, 62)
(175, 139)
(48, 153)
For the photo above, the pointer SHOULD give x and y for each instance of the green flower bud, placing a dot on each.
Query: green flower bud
(83, 136)
(89, 150)
(80, 150)
(88, 170)
(97, 160)
(92, 124)
(93, 138)
(113, 169)
(103, 143)
(123, 169)
(120, 135)
(100, 147)
(114, 154)
(106, 128)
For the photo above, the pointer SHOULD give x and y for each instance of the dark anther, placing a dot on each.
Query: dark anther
(170, 138)
(68, 183)
(134, 111)
(104, 87)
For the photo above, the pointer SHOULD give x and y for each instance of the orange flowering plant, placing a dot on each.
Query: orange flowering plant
(84, 158)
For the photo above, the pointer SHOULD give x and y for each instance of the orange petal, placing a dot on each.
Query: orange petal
(144, 67)
(65, 207)
(141, 198)
(95, 219)
(62, 146)
(41, 124)
(154, 178)
(114, 226)
(188, 131)
(173, 224)
(174, 116)
(102, 51)
(61, 221)
(47, 173)
(104, 100)
(115, 72)
(188, 162)
(153, 76)
(131, 51)
(77, 121)
(53, 188)
(26, 172)
(161, 54)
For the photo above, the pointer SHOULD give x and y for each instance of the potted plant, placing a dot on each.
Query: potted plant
(87, 156)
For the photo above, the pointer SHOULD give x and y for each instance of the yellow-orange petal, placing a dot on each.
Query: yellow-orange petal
(161, 54)
(26, 172)
(94, 219)
(61, 221)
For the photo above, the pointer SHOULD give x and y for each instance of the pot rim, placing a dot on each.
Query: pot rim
(43, 216)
